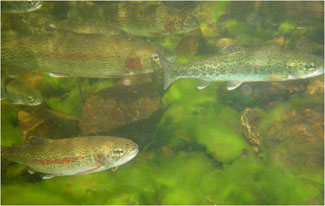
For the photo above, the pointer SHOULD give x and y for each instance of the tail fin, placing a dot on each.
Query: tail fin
(3, 151)
(168, 78)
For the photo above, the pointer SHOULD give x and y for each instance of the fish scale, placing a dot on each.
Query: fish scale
(247, 65)
(138, 19)
(81, 55)
(72, 156)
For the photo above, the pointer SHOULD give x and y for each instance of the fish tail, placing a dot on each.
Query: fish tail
(168, 77)
(4, 151)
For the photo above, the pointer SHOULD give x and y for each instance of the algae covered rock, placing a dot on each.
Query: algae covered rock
(316, 86)
(48, 124)
(117, 107)
(197, 116)
(289, 133)
(296, 137)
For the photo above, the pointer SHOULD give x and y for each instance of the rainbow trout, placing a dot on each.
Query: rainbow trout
(19, 92)
(237, 65)
(72, 156)
(137, 19)
(17, 7)
(82, 55)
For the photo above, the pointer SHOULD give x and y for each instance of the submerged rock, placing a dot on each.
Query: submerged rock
(117, 107)
(249, 120)
(48, 124)
(189, 45)
(316, 86)
(291, 135)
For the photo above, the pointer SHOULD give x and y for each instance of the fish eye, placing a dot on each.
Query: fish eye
(185, 22)
(30, 99)
(155, 58)
(118, 152)
(310, 67)
(31, 2)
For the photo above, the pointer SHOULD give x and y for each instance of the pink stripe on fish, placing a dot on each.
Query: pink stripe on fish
(57, 161)
(77, 56)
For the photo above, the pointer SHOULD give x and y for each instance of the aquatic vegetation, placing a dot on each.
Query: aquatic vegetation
(261, 143)
(286, 27)
(188, 112)
(70, 103)
(10, 130)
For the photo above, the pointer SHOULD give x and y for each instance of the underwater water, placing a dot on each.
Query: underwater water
(219, 102)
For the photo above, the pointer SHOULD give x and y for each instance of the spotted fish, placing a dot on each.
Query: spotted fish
(72, 156)
(82, 55)
(18, 92)
(13, 7)
(137, 19)
(237, 65)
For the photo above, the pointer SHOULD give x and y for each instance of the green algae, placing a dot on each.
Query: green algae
(171, 180)
(211, 162)
(286, 27)
(10, 130)
(70, 103)
(198, 114)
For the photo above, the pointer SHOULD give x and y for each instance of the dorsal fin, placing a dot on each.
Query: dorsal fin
(231, 49)
(38, 140)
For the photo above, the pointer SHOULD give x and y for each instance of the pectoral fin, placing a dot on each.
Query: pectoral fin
(38, 140)
(202, 83)
(48, 176)
(15, 71)
(233, 85)
(58, 75)
(30, 171)
(90, 171)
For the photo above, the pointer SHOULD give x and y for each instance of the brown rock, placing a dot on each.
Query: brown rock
(167, 151)
(316, 86)
(117, 107)
(249, 120)
(189, 45)
(47, 124)
(295, 136)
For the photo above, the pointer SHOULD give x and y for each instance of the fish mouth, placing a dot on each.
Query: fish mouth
(313, 74)
(132, 154)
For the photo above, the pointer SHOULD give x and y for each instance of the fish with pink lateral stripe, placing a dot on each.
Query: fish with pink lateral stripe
(82, 55)
(72, 156)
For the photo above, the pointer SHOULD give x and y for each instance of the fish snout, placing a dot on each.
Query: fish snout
(133, 148)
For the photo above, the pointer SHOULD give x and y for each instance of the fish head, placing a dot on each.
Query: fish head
(32, 99)
(151, 60)
(154, 55)
(121, 151)
(306, 67)
(186, 24)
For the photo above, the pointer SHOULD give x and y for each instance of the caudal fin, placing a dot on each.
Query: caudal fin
(168, 77)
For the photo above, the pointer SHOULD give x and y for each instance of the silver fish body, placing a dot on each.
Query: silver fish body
(82, 55)
(14, 7)
(20, 93)
(247, 65)
(72, 156)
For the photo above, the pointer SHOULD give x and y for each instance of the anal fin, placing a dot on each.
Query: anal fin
(48, 176)
(58, 75)
(202, 83)
(231, 85)
(30, 171)
(90, 171)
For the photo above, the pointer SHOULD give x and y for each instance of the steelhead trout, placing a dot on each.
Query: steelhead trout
(19, 92)
(137, 19)
(82, 55)
(238, 65)
(13, 7)
(72, 156)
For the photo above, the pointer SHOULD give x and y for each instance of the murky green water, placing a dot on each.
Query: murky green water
(77, 69)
